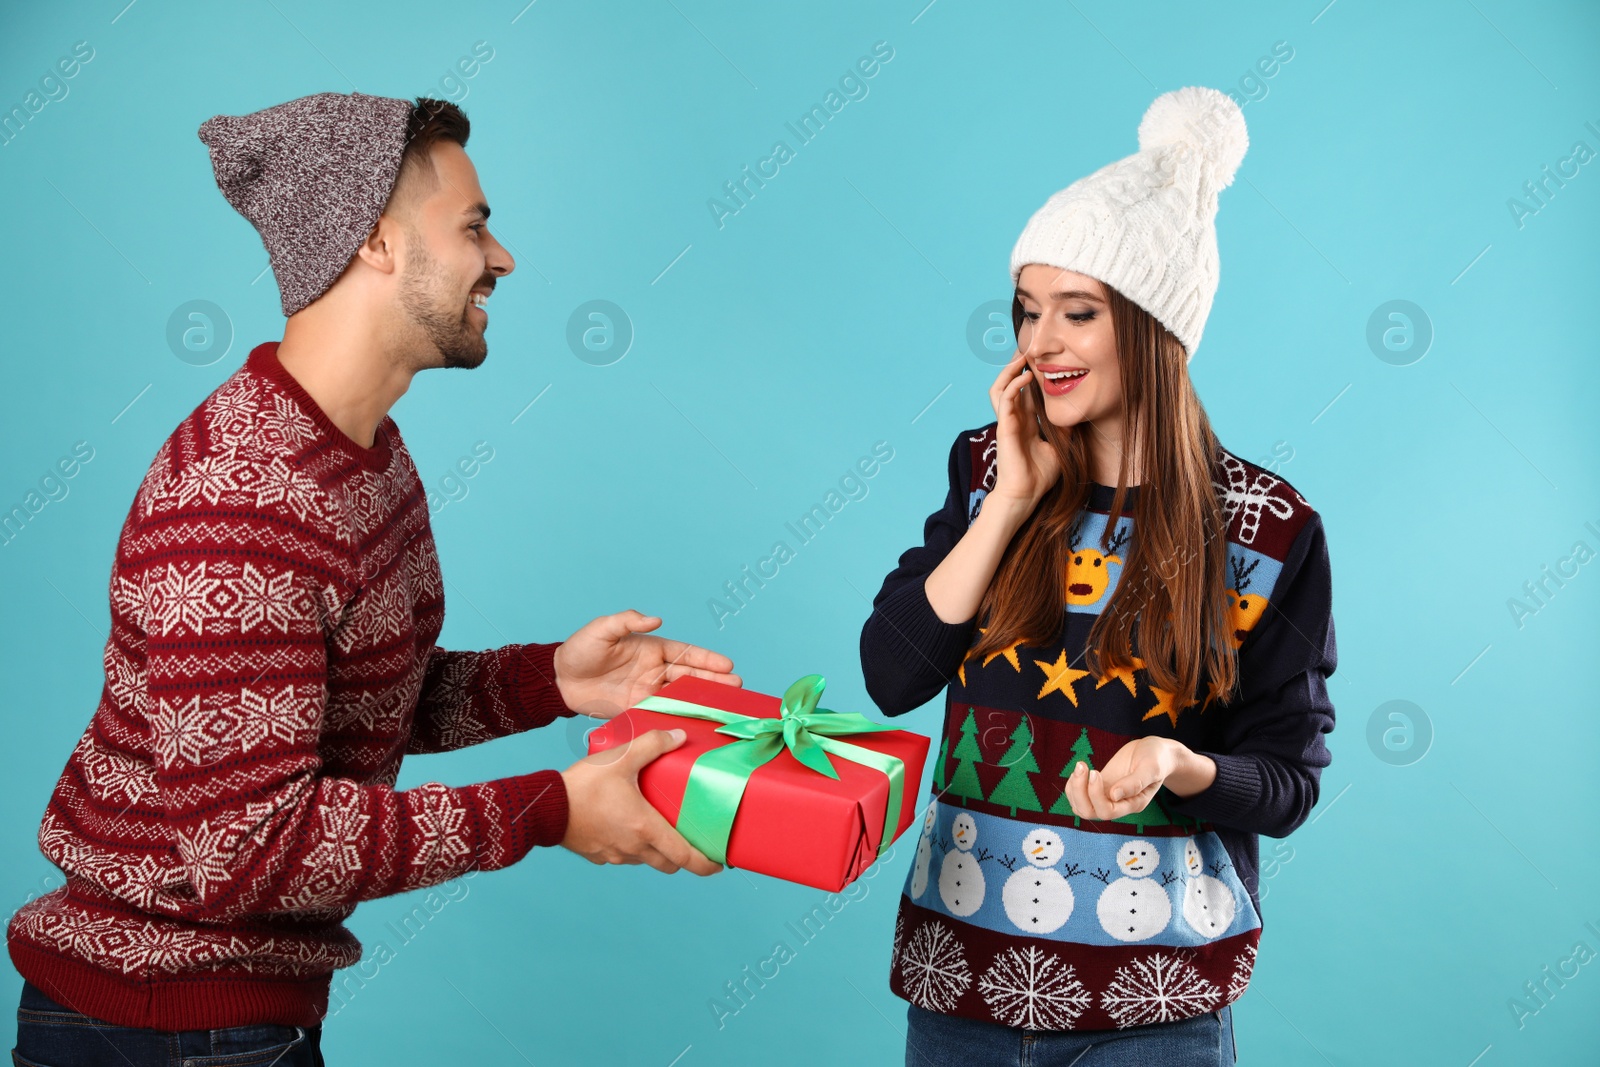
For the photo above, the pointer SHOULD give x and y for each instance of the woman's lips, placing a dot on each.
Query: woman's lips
(1061, 387)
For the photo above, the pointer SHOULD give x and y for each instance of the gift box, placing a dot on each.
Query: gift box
(776, 785)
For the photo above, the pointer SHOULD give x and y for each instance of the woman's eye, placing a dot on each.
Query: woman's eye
(1077, 316)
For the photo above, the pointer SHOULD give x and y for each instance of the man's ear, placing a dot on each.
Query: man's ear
(381, 250)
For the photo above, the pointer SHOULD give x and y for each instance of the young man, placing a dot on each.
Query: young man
(275, 599)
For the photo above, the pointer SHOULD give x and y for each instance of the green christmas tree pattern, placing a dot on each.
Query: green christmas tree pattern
(1014, 790)
(1082, 752)
(964, 783)
(1152, 815)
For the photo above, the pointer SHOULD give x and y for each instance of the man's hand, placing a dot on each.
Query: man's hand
(611, 664)
(1132, 776)
(609, 820)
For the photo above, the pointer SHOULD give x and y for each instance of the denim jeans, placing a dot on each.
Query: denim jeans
(935, 1040)
(50, 1035)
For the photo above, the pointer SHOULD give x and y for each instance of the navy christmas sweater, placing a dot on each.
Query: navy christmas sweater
(1016, 910)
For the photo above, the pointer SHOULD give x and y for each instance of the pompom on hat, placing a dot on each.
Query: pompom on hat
(1146, 224)
(312, 175)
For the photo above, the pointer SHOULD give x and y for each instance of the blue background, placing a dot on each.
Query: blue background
(830, 313)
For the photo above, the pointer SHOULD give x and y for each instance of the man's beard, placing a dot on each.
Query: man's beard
(460, 342)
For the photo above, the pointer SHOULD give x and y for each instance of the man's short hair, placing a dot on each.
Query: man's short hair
(432, 121)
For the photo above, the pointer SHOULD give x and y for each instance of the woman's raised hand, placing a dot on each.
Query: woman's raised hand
(1027, 465)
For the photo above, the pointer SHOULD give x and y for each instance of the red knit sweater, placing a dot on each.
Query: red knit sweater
(274, 603)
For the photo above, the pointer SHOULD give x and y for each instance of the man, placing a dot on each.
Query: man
(275, 599)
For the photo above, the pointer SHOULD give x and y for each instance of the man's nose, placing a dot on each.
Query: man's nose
(500, 261)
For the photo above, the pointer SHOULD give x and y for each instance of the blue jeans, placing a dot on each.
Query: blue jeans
(51, 1035)
(935, 1040)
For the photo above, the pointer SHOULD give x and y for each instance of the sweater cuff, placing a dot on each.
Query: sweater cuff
(912, 618)
(539, 698)
(536, 809)
(1231, 796)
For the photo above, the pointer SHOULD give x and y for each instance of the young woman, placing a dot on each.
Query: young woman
(1134, 629)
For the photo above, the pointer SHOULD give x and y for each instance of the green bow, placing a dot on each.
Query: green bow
(718, 778)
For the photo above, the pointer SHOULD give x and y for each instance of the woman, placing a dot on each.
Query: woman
(1135, 628)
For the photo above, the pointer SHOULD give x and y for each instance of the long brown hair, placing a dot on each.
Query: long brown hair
(1173, 587)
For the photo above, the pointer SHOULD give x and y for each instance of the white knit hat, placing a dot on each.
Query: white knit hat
(1146, 224)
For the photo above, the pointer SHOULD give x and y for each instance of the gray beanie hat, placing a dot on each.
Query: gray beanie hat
(312, 175)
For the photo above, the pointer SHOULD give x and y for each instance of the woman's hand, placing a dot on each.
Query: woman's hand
(1131, 777)
(1027, 465)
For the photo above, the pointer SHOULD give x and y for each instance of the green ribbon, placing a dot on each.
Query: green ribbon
(718, 778)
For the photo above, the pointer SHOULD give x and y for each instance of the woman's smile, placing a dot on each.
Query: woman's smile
(1058, 380)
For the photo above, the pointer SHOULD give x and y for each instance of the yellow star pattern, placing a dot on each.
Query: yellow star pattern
(1059, 677)
(1214, 692)
(1163, 705)
(1123, 675)
(1009, 653)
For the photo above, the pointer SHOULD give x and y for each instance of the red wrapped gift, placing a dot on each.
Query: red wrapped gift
(776, 785)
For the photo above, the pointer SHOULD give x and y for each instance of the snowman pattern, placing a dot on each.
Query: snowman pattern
(1037, 898)
(919, 872)
(961, 884)
(1208, 903)
(1135, 908)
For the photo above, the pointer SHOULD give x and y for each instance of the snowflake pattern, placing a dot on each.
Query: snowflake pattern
(208, 477)
(264, 715)
(1158, 989)
(262, 602)
(144, 882)
(186, 605)
(456, 708)
(338, 853)
(1254, 494)
(238, 400)
(441, 827)
(1244, 965)
(182, 732)
(1033, 989)
(206, 851)
(124, 680)
(115, 776)
(285, 427)
(179, 599)
(276, 483)
(373, 710)
(934, 968)
(380, 612)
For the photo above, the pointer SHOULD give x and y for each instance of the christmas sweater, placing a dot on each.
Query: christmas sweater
(1018, 911)
(275, 597)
